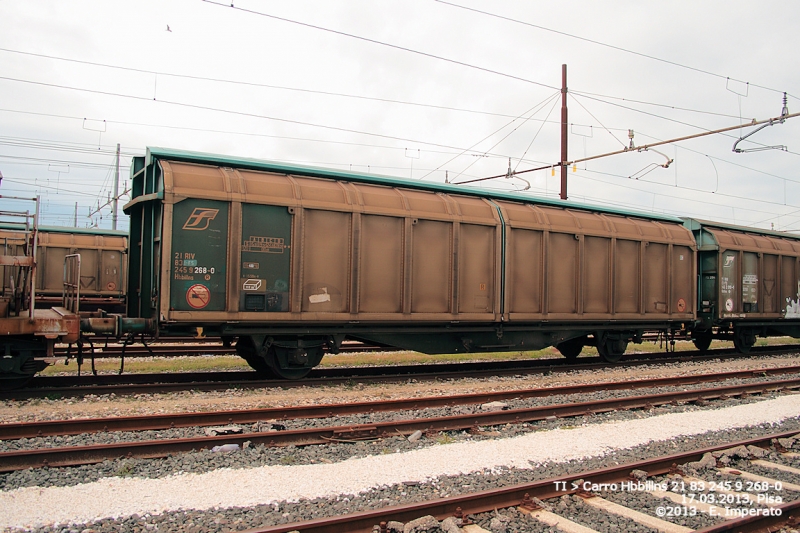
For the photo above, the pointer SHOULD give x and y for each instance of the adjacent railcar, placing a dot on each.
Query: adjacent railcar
(749, 284)
(289, 259)
(28, 333)
(103, 276)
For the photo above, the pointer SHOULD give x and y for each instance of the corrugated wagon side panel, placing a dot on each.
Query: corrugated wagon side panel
(655, 278)
(627, 276)
(476, 271)
(683, 280)
(382, 262)
(431, 267)
(524, 250)
(596, 265)
(326, 261)
(562, 273)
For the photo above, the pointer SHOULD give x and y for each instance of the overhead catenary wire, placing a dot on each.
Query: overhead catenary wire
(254, 84)
(129, 152)
(340, 94)
(228, 111)
(694, 189)
(598, 120)
(600, 43)
(524, 120)
(382, 43)
(743, 125)
(684, 138)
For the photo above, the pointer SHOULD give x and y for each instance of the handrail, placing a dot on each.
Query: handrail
(71, 295)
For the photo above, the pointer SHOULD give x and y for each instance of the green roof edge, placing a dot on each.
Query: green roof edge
(697, 224)
(375, 179)
(68, 229)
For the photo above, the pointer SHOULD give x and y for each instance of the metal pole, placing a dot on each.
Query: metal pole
(75, 216)
(35, 244)
(116, 195)
(564, 132)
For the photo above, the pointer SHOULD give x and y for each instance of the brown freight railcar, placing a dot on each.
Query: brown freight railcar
(289, 259)
(103, 276)
(750, 283)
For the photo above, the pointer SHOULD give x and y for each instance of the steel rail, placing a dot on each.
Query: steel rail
(20, 430)
(514, 496)
(79, 455)
(180, 349)
(71, 386)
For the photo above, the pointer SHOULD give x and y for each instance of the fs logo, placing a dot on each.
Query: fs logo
(200, 218)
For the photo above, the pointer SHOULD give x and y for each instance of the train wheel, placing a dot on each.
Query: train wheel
(702, 340)
(571, 349)
(743, 340)
(611, 349)
(293, 363)
(246, 349)
(19, 363)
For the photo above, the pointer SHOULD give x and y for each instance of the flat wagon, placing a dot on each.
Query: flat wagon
(287, 260)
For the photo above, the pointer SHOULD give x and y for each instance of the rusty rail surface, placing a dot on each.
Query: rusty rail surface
(79, 455)
(71, 386)
(20, 430)
(517, 495)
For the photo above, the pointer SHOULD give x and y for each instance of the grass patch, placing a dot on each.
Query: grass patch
(153, 365)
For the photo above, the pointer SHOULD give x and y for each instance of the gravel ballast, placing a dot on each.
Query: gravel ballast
(277, 484)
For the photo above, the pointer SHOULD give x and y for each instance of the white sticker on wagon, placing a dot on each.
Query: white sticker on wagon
(252, 285)
(320, 298)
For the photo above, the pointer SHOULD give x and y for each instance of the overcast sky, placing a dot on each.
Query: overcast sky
(419, 89)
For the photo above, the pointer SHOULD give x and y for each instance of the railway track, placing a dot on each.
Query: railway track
(187, 346)
(80, 455)
(156, 422)
(531, 499)
(76, 386)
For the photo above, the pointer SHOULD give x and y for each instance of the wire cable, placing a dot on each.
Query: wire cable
(495, 145)
(471, 148)
(598, 121)
(381, 43)
(229, 111)
(618, 48)
(254, 84)
(675, 120)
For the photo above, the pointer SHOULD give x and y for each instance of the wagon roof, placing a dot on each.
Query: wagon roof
(155, 153)
(66, 229)
(696, 224)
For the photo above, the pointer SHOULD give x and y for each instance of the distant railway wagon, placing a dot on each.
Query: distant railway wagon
(27, 334)
(289, 259)
(103, 272)
(749, 283)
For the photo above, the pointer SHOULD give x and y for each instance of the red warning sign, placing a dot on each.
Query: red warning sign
(198, 296)
(681, 305)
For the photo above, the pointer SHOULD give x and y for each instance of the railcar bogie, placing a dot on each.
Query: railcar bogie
(22, 357)
(702, 339)
(289, 358)
(572, 348)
